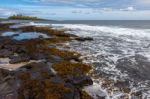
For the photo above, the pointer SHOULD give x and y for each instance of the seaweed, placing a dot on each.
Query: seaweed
(5, 26)
(66, 68)
(63, 53)
(46, 30)
(85, 95)
(41, 89)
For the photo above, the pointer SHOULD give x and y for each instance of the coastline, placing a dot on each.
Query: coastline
(36, 68)
(76, 54)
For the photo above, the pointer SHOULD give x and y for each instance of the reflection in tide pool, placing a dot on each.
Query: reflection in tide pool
(9, 33)
(25, 35)
(30, 35)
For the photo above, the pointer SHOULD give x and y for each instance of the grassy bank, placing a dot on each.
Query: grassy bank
(21, 17)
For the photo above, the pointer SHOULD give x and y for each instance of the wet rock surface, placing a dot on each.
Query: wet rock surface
(7, 85)
(5, 53)
(47, 73)
(18, 59)
(80, 81)
(84, 39)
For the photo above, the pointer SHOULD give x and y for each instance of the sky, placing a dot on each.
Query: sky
(78, 9)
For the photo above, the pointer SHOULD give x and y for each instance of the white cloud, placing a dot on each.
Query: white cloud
(6, 12)
(128, 9)
(145, 1)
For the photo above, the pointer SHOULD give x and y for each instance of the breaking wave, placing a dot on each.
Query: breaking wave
(107, 29)
(119, 55)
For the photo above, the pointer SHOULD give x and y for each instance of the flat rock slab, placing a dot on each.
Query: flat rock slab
(4, 63)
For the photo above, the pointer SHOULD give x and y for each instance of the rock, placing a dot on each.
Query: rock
(81, 81)
(38, 80)
(84, 39)
(73, 59)
(5, 26)
(39, 68)
(18, 59)
(21, 49)
(7, 83)
(55, 59)
(38, 56)
(7, 46)
(71, 35)
(1, 46)
(137, 95)
(5, 53)
(57, 80)
(75, 92)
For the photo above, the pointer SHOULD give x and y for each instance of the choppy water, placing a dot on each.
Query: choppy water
(120, 53)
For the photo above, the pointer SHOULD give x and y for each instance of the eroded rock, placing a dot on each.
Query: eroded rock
(81, 80)
(5, 53)
(84, 39)
(18, 59)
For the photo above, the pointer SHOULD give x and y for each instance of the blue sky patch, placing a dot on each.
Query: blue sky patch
(78, 9)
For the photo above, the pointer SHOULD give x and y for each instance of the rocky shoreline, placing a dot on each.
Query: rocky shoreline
(36, 69)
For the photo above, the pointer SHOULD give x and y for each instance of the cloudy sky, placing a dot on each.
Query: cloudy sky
(78, 9)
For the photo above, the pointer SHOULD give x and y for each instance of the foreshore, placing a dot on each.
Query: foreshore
(33, 67)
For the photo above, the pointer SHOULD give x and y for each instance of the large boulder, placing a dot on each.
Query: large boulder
(84, 39)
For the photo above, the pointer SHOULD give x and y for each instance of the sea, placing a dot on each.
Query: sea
(119, 54)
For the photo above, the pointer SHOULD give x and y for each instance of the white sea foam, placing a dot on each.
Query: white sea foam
(111, 44)
(29, 24)
(95, 90)
(107, 29)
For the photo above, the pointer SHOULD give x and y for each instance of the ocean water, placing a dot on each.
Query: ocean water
(119, 53)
